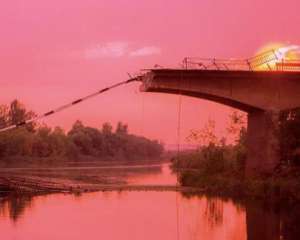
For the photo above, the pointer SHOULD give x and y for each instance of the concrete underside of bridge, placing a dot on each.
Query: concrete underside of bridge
(263, 95)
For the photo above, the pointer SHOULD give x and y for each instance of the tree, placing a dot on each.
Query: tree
(42, 143)
(4, 116)
(17, 113)
(122, 129)
(215, 156)
(58, 141)
(237, 125)
(206, 135)
(106, 129)
(289, 135)
(77, 127)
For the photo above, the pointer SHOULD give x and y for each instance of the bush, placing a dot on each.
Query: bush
(43, 142)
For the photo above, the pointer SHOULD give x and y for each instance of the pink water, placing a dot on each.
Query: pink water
(143, 215)
(123, 215)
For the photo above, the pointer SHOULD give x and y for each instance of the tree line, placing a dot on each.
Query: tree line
(41, 141)
(219, 167)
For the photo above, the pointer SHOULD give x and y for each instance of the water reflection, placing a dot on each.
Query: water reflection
(118, 215)
(158, 175)
(144, 215)
(214, 211)
(290, 228)
(262, 222)
(14, 207)
(272, 222)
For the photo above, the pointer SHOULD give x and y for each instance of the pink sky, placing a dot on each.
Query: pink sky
(53, 52)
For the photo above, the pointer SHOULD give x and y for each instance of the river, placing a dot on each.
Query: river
(138, 215)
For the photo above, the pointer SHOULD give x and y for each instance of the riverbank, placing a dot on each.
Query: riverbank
(20, 186)
(32, 186)
(89, 178)
(82, 160)
(220, 170)
(283, 186)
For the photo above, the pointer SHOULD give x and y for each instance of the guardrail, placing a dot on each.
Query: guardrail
(286, 65)
(266, 61)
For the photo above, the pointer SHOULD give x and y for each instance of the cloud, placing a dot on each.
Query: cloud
(145, 51)
(118, 49)
(110, 49)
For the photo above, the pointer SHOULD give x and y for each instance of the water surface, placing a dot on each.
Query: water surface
(140, 215)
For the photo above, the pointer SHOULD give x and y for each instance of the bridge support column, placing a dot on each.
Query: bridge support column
(263, 142)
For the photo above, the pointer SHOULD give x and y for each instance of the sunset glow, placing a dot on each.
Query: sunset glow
(54, 52)
(280, 53)
(150, 120)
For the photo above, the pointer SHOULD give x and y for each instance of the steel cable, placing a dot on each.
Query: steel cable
(68, 105)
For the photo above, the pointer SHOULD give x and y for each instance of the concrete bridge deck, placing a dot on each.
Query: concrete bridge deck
(262, 94)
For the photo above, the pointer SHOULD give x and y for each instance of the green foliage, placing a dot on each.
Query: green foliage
(43, 142)
(290, 137)
(215, 166)
(219, 168)
(17, 113)
(4, 116)
(211, 162)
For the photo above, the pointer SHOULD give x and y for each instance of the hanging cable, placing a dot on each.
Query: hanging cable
(68, 105)
(143, 115)
(179, 109)
(177, 161)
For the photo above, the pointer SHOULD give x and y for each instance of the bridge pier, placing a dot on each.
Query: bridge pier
(262, 142)
(262, 94)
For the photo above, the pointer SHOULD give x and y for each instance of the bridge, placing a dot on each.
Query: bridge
(262, 86)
